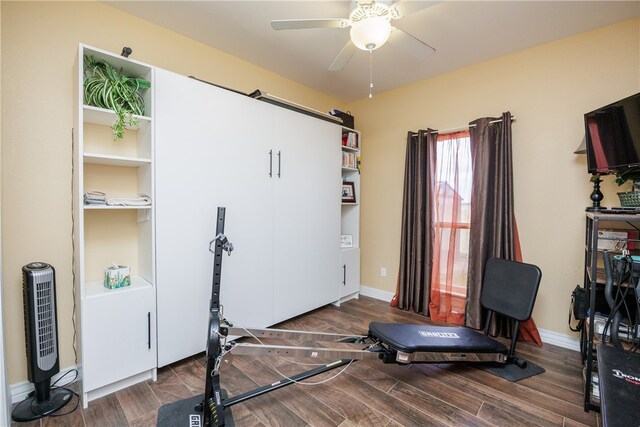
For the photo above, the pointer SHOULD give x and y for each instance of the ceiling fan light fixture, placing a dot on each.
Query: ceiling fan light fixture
(370, 33)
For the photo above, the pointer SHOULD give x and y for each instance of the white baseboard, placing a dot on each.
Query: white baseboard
(376, 293)
(20, 391)
(549, 337)
(564, 341)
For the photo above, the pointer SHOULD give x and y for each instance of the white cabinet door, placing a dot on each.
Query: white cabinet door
(350, 260)
(210, 151)
(307, 218)
(277, 172)
(119, 341)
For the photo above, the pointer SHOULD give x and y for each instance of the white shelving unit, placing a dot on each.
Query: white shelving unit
(350, 216)
(116, 336)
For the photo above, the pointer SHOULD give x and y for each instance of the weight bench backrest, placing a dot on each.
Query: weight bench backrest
(510, 288)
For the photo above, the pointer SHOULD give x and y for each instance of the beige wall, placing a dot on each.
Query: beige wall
(548, 88)
(39, 45)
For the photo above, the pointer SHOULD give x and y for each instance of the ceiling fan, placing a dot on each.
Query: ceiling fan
(370, 23)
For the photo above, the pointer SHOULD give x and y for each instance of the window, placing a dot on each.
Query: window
(452, 201)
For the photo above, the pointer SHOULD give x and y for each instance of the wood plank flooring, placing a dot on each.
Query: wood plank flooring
(367, 393)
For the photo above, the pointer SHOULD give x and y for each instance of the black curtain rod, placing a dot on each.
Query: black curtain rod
(459, 128)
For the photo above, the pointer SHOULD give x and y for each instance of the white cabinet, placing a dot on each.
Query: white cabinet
(350, 215)
(123, 326)
(205, 158)
(116, 327)
(277, 173)
(350, 262)
(307, 212)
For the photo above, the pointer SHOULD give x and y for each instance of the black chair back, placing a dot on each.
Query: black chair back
(510, 288)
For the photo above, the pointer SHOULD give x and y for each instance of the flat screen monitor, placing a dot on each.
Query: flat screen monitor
(613, 136)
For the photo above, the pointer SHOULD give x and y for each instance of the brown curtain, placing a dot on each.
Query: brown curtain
(493, 227)
(416, 240)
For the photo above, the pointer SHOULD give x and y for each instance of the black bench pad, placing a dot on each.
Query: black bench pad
(619, 374)
(409, 338)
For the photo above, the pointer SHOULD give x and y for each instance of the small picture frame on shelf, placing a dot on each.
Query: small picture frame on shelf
(348, 192)
(346, 241)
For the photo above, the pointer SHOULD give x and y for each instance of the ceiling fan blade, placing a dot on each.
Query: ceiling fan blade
(299, 24)
(414, 47)
(407, 7)
(343, 57)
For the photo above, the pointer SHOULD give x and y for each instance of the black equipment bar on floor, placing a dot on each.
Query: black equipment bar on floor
(285, 382)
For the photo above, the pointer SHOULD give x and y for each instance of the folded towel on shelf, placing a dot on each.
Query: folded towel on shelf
(95, 198)
(143, 200)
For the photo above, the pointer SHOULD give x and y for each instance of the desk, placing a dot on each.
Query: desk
(619, 374)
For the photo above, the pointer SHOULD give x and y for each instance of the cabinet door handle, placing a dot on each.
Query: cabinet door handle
(270, 163)
(344, 274)
(149, 330)
(279, 169)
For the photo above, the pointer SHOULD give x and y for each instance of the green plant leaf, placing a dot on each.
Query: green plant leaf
(107, 87)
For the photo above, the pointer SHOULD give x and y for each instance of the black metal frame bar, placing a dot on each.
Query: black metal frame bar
(284, 382)
(212, 404)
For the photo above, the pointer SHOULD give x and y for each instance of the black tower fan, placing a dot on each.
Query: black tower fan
(41, 333)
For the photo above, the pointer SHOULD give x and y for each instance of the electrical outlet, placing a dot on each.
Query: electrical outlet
(383, 272)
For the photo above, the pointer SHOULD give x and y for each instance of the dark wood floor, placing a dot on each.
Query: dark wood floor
(368, 393)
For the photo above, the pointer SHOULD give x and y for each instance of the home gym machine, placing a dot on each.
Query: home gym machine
(510, 288)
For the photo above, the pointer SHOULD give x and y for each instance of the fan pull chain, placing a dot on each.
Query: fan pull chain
(370, 73)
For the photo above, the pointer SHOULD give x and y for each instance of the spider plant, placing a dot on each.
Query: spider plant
(106, 87)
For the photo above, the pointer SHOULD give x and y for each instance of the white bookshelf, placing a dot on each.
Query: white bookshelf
(350, 216)
(122, 318)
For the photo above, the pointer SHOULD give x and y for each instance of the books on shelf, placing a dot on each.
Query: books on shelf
(349, 160)
(350, 139)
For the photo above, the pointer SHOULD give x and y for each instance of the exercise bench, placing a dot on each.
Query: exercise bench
(509, 289)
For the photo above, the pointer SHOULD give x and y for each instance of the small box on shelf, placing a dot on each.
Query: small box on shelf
(117, 276)
(346, 241)
(617, 240)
